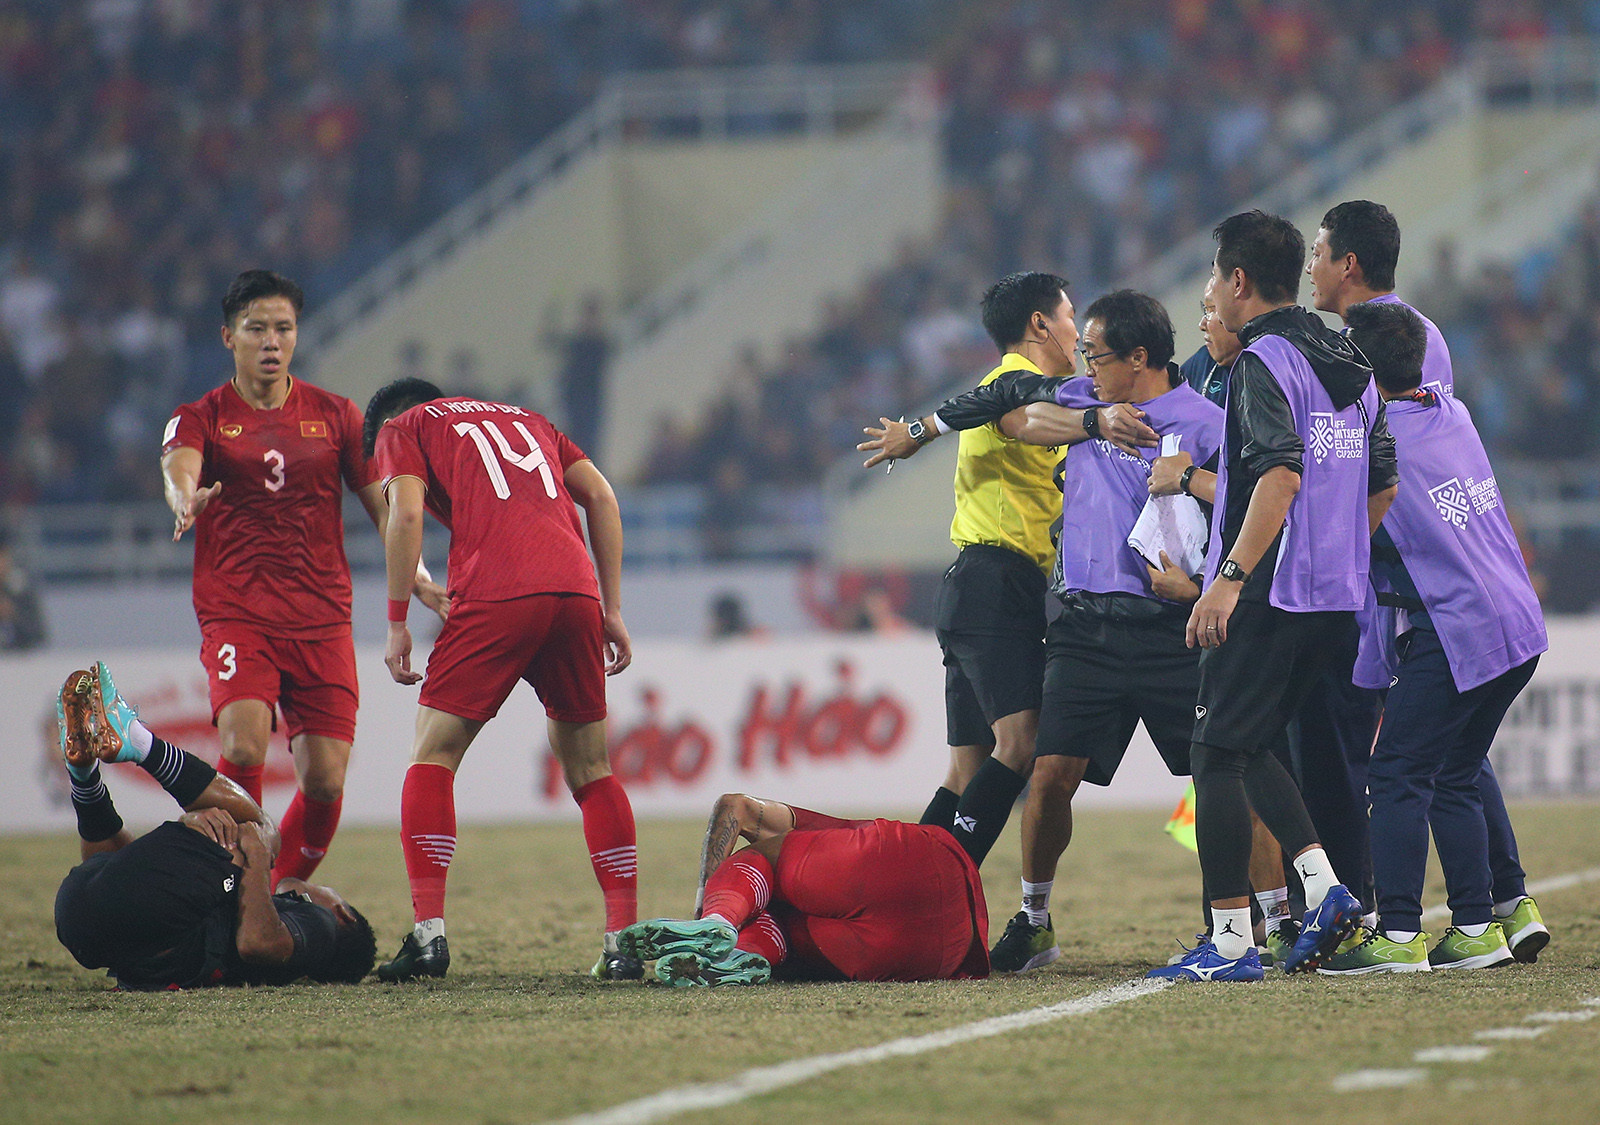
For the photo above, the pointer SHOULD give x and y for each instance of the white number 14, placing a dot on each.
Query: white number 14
(531, 461)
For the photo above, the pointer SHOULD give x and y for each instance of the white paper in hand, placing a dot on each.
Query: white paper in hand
(1174, 524)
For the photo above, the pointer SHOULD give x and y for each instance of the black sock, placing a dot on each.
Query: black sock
(97, 816)
(942, 809)
(179, 772)
(985, 807)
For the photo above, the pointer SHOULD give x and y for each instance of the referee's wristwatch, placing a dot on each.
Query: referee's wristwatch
(919, 432)
(1233, 572)
(1188, 475)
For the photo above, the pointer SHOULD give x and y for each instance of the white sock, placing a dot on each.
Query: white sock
(428, 929)
(1036, 901)
(1477, 929)
(1274, 906)
(1400, 936)
(1508, 908)
(1230, 932)
(1370, 921)
(1316, 873)
(724, 919)
(140, 737)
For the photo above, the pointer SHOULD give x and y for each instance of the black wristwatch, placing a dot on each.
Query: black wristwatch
(919, 432)
(1091, 423)
(1188, 475)
(1232, 571)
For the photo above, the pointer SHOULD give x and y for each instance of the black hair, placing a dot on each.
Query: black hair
(1394, 340)
(1129, 319)
(1009, 302)
(1269, 250)
(252, 285)
(1367, 230)
(355, 951)
(391, 401)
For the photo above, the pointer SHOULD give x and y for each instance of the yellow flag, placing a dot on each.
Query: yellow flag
(1181, 826)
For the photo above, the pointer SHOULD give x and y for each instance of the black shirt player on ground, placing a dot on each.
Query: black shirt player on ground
(188, 904)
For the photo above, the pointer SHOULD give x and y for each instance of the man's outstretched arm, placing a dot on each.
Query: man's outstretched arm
(736, 816)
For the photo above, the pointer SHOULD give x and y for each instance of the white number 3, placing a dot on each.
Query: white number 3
(277, 480)
(228, 655)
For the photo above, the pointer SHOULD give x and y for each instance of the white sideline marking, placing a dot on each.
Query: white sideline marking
(765, 1079)
(1510, 1033)
(1378, 1079)
(1563, 1017)
(1451, 1054)
(1539, 887)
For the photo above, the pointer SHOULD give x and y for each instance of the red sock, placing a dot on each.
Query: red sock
(428, 834)
(765, 936)
(740, 888)
(247, 777)
(307, 830)
(613, 848)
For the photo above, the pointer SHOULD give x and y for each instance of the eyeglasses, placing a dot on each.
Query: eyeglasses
(1092, 360)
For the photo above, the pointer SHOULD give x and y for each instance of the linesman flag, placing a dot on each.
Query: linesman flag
(1181, 826)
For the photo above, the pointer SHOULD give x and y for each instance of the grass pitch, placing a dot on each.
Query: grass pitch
(518, 1033)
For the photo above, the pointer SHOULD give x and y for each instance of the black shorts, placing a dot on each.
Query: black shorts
(1251, 685)
(990, 622)
(151, 912)
(1110, 662)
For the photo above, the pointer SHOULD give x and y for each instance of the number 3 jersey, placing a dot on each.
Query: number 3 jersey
(496, 477)
(269, 550)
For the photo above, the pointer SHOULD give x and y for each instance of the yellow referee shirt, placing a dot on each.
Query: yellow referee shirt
(1006, 495)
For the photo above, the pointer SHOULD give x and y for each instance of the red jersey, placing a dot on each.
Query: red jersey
(269, 550)
(496, 477)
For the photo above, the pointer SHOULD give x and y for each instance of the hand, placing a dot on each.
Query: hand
(1208, 622)
(254, 846)
(1165, 472)
(397, 654)
(192, 507)
(1123, 425)
(893, 442)
(216, 825)
(1171, 583)
(618, 646)
(433, 595)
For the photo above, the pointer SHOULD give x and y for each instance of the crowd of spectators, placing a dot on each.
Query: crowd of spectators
(1086, 138)
(150, 149)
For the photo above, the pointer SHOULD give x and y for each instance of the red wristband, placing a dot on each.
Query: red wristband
(398, 608)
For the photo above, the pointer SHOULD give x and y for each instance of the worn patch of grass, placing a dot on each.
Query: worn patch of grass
(519, 1033)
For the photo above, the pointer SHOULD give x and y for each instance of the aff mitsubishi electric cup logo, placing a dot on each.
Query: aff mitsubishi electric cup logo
(1458, 501)
(1331, 434)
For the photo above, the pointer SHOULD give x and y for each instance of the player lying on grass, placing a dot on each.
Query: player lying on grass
(814, 897)
(188, 904)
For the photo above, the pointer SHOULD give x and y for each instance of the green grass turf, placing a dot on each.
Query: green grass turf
(519, 1033)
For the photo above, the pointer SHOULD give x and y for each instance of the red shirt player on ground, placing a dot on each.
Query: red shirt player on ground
(818, 898)
(258, 467)
(526, 603)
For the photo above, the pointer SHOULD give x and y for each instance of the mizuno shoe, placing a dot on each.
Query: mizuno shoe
(1024, 946)
(417, 960)
(1375, 953)
(1525, 930)
(615, 964)
(711, 938)
(1333, 920)
(691, 970)
(1457, 950)
(117, 740)
(1203, 962)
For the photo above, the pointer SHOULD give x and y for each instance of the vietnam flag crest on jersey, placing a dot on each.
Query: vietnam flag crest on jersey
(312, 429)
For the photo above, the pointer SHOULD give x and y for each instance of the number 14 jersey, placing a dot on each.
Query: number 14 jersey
(269, 550)
(496, 477)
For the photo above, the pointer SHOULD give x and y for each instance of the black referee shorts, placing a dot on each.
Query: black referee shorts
(990, 622)
(1112, 660)
(1254, 682)
(148, 904)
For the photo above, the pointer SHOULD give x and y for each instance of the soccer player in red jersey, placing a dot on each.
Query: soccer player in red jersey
(257, 467)
(525, 604)
(818, 898)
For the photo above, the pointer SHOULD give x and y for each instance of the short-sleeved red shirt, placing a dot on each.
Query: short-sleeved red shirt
(496, 477)
(269, 550)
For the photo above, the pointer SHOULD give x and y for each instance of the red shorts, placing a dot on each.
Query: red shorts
(553, 641)
(885, 901)
(313, 682)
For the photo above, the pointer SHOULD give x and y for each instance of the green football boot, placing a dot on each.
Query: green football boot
(1525, 931)
(692, 970)
(651, 940)
(1457, 950)
(1372, 952)
(1024, 946)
